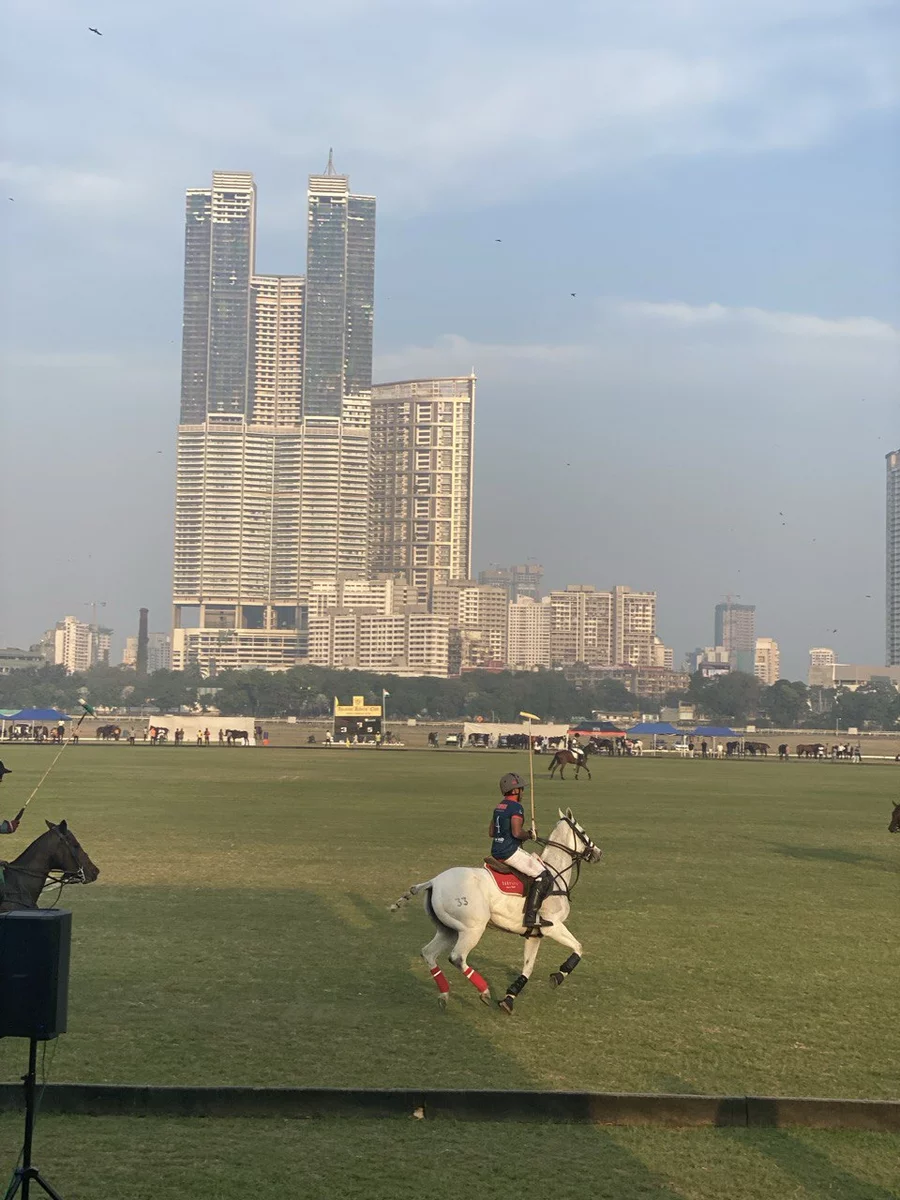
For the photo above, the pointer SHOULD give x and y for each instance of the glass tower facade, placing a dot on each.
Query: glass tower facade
(220, 244)
(340, 295)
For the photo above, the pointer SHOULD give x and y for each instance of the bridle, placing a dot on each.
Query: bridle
(560, 886)
(53, 876)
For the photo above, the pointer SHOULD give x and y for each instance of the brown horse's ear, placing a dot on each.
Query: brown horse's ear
(49, 824)
(62, 827)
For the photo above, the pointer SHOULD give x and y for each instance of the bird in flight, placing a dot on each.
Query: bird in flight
(498, 239)
(91, 29)
(571, 293)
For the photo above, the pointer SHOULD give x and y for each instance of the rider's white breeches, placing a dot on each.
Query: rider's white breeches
(528, 864)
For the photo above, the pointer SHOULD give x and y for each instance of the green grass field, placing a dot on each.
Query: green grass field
(740, 937)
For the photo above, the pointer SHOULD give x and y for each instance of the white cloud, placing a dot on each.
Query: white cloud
(443, 104)
(796, 325)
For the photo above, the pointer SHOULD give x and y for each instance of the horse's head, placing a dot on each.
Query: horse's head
(69, 856)
(570, 834)
(894, 826)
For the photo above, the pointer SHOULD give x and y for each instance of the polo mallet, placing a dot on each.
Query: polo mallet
(88, 712)
(530, 717)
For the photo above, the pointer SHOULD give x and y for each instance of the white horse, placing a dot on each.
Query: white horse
(463, 901)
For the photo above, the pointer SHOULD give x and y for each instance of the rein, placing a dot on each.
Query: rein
(560, 886)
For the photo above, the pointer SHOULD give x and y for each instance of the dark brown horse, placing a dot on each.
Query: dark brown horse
(565, 758)
(57, 850)
(894, 826)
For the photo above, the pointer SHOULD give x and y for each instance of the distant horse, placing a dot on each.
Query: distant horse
(237, 735)
(565, 758)
(463, 901)
(894, 826)
(811, 750)
(784, 753)
(25, 877)
(754, 748)
(105, 732)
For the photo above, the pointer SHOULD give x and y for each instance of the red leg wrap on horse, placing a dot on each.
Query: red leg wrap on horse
(440, 979)
(473, 977)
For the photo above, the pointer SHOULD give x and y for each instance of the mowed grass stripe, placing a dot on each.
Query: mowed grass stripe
(404, 1159)
(738, 936)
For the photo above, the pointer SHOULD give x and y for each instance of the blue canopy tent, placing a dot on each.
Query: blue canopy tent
(34, 716)
(655, 729)
(39, 714)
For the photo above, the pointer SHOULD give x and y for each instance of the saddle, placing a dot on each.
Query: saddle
(507, 878)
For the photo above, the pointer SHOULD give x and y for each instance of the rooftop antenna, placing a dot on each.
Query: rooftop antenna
(329, 170)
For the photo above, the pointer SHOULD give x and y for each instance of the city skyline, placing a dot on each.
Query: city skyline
(733, 318)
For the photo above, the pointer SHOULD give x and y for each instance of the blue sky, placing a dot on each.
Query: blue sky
(716, 183)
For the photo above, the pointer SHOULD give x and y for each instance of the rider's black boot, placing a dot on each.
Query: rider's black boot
(537, 891)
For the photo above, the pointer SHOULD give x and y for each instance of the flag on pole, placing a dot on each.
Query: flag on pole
(529, 716)
(88, 711)
(384, 693)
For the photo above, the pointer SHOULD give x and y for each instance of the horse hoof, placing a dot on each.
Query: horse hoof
(556, 979)
(442, 1002)
(485, 997)
(506, 1004)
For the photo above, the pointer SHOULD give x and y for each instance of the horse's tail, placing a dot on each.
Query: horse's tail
(408, 895)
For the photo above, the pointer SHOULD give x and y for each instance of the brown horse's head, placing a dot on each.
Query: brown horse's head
(69, 856)
(894, 826)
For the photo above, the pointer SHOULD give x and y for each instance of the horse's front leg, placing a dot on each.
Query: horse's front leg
(558, 932)
(532, 945)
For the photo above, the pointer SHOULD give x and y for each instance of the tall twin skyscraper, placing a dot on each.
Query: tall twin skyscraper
(280, 480)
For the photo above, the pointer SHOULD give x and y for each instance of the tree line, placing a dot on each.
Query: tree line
(309, 692)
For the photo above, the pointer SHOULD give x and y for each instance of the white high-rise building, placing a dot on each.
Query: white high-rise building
(411, 643)
(422, 461)
(386, 596)
(479, 618)
(767, 661)
(604, 629)
(634, 627)
(529, 634)
(273, 481)
(78, 646)
(822, 660)
(276, 349)
(582, 626)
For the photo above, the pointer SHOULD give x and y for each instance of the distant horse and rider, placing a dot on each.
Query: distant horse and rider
(574, 757)
(108, 732)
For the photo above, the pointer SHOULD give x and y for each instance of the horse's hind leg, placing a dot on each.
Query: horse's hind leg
(441, 943)
(532, 945)
(467, 940)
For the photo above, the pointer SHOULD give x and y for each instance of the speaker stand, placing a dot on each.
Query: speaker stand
(24, 1176)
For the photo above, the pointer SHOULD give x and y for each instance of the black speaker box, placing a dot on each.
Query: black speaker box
(35, 946)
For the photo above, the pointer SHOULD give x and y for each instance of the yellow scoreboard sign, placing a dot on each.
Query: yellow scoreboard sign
(358, 708)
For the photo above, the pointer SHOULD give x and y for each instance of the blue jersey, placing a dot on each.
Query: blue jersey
(504, 844)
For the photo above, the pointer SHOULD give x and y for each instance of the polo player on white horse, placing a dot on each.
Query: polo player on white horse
(463, 901)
